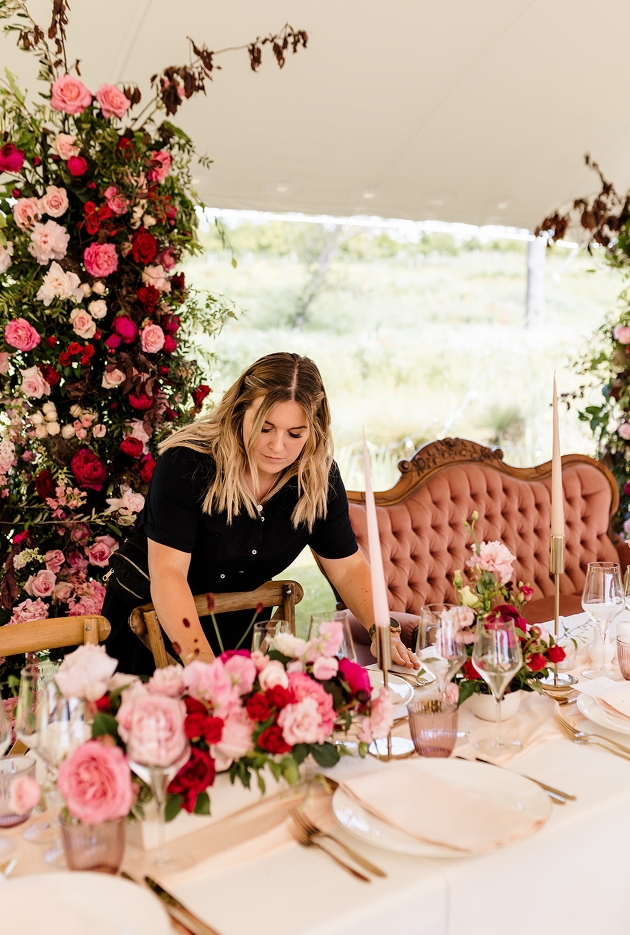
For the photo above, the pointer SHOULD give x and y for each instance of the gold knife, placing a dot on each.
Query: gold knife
(179, 912)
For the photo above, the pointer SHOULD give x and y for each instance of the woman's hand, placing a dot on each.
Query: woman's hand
(400, 654)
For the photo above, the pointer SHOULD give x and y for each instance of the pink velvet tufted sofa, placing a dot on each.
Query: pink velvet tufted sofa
(424, 541)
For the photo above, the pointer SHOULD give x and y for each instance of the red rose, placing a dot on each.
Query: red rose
(178, 282)
(279, 697)
(536, 662)
(273, 741)
(51, 341)
(142, 401)
(170, 323)
(36, 161)
(170, 344)
(77, 166)
(469, 670)
(11, 158)
(88, 350)
(170, 415)
(50, 375)
(143, 246)
(89, 470)
(147, 468)
(89, 208)
(149, 297)
(199, 393)
(556, 653)
(65, 359)
(257, 707)
(16, 193)
(90, 184)
(45, 484)
(194, 725)
(213, 730)
(102, 704)
(74, 348)
(92, 224)
(105, 213)
(163, 370)
(194, 706)
(195, 776)
(131, 446)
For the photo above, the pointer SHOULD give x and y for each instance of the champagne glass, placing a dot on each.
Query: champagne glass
(346, 650)
(603, 599)
(264, 632)
(441, 645)
(497, 657)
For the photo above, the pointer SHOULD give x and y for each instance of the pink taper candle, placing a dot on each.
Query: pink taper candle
(379, 592)
(557, 497)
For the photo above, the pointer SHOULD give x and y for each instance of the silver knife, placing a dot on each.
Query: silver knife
(178, 911)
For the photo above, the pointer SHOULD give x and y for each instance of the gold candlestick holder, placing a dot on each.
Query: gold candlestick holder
(557, 682)
(388, 748)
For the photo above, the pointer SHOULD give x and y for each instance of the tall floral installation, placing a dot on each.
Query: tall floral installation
(97, 324)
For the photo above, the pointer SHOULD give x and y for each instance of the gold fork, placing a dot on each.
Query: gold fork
(303, 838)
(579, 736)
(313, 831)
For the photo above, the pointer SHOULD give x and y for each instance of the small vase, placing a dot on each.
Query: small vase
(484, 706)
(93, 847)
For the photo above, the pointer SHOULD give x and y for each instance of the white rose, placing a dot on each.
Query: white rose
(112, 378)
(51, 416)
(99, 287)
(67, 431)
(148, 220)
(75, 410)
(98, 308)
(82, 323)
(5, 257)
(53, 428)
(36, 418)
(272, 675)
(99, 430)
(86, 288)
(41, 431)
(289, 645)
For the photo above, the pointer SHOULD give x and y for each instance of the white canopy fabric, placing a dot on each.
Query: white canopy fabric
(468, 111)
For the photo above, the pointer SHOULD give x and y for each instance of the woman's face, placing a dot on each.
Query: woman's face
(282, 438)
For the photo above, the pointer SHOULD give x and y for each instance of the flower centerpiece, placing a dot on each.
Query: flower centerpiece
(243, 713)
(493, 595)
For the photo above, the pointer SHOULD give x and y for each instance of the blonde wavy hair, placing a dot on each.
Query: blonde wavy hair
(276, 378)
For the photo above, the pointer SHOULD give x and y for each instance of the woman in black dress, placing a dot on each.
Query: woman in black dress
(234, 499)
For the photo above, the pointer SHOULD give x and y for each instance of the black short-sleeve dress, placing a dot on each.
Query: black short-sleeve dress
(239, 556)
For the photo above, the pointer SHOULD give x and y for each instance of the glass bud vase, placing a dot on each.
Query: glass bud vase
(93, 847)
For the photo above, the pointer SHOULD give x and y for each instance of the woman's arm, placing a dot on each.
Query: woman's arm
(174, 603)
(351, 579)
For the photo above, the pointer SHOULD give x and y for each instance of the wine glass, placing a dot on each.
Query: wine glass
(346, 650)
(156, 756)
(497, 657)
(603, 599)
(264, 632)
(7, 845)
(441, 646)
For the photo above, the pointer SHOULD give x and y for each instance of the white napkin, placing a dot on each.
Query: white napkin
(409, 797)
(532, 725)
(612, 696)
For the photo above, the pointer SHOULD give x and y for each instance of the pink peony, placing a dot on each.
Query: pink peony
(115, 199)
(29, 610)
(5, 257)
(33, 383)
(24, 794)
(11, 158)
(356, 677)
(624, 430)
(65, 146)
(621, 333)
(242, 671)
(210, 682)
(49, 241)
(112, 378)
(85, 673)
(18, 333)
(113, 102)
(168, 681)
(494, 557)
(102, 549)
(53, 560)
(100, 259)
(325, 667)
(70, 95)
(126, 329)
(272, 675)
(152, 338)
(41, 584)
(236, 739)
(381, 718)
(161, 165)
(82, 323)
(155, 733)
(303, 687)
(58, 284)
(25, 212)
(156, 276)
(55, 202)
(95, 781)
(301, 723)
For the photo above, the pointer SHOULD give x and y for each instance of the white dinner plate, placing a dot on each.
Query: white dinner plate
(80, 904)
(594, 712)
(400, 691)
(499, 785)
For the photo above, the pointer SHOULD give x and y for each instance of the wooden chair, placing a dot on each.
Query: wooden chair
(283, 595)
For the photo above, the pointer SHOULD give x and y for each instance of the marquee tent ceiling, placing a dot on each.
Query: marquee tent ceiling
(459, 111)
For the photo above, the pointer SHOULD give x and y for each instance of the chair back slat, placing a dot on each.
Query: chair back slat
(33, 636)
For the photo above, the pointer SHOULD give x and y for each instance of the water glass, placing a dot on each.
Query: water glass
(603, 599)
(347, 650)
(433, 726)
(623, 657)
(497, 657)
(12, 768)
(264, 631)
(440, 644)
(97, 848)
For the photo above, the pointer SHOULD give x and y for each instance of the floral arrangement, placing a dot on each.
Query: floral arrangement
(97, 324)
(241, 713)
(494, 596)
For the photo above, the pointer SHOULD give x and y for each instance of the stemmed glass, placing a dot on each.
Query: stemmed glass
(6, 844)
(156, 757)
(441, 646)
(603, 599)
(264, 631)
(346, 650)
(497, 657)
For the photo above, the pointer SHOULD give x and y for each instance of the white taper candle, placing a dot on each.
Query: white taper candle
(379, 591)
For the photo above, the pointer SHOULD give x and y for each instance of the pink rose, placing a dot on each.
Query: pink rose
(18, 333)
(82, 323)
(112, 378)
(166, 259)
(303, 686)
(624, 430)
(113, 102)
(41, 584)
(70, 95)
(76, 561)
(80, 533)
(85, 673)
(115, 199)
(54, 203)
(156, 276)
(152, 338)
(160, 166)
(95, 781)
(99, 431)
(99, 553)
(301, 723)
(65, 146)
(168, 681)
(63, 591)
(156, 730)
(49, 241)
(325, 667)
(24, 794)
(494, 557)
(272, 675)
(242, 671)
(621, 333)
(380, 720)
(53, 560)
(260, 660)
(100, 259)
(210, 682)
(29, 610)
(356, 676)
(33, 383)
(26, 212)
(5, 257)
(236, 739)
